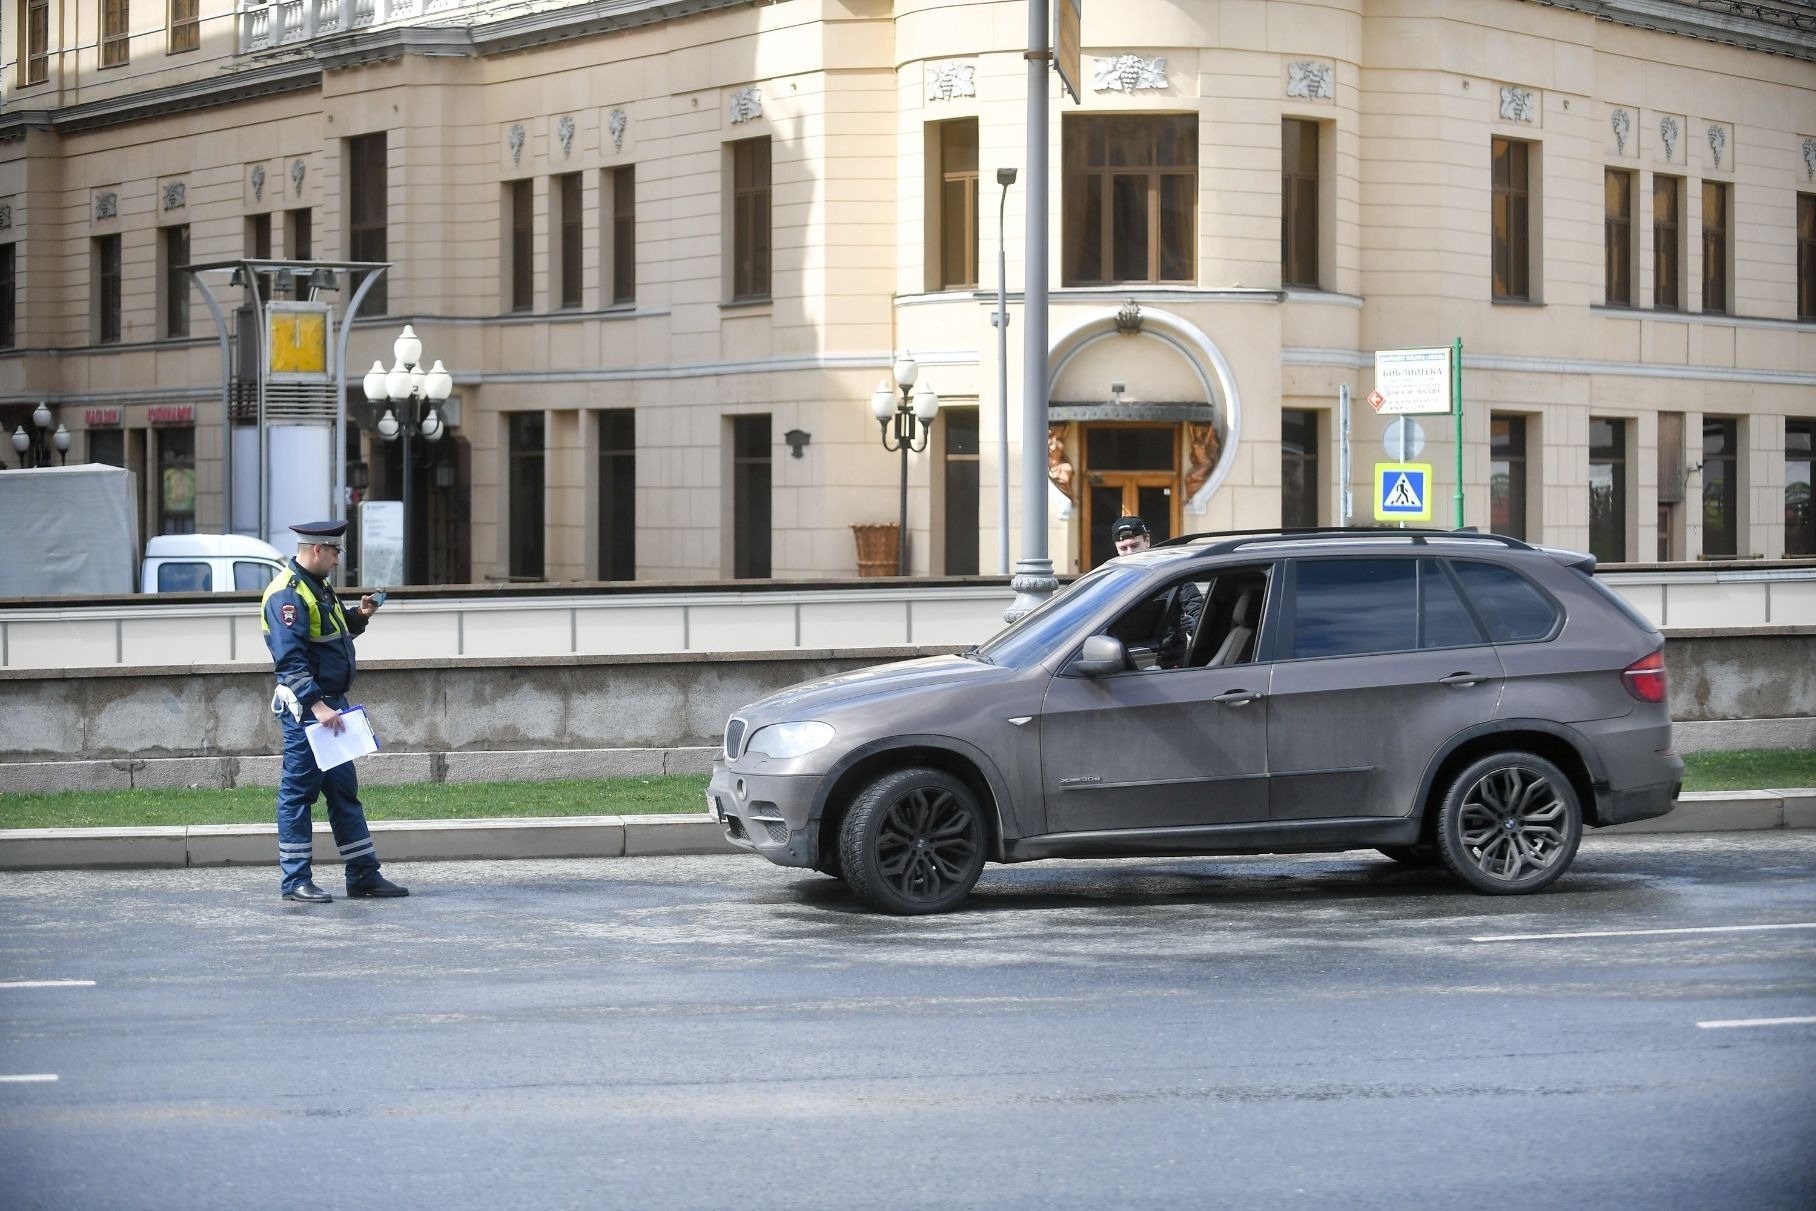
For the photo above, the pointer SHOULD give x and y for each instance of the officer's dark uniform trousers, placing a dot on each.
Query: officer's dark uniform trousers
(311, 641)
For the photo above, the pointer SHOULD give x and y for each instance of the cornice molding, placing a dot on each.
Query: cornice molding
(1775, 27)
(198, 94)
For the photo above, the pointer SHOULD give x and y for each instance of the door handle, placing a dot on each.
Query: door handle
(1237, 697)
(1462, 680)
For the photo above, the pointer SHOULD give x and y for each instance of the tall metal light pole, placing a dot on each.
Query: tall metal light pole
(921, 406)
(408, 388)
(1000, 321)
(1034, 581)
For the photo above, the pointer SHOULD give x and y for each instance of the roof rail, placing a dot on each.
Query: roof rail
(1232, 540)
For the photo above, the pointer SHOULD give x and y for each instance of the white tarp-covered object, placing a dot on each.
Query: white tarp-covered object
(71, 529)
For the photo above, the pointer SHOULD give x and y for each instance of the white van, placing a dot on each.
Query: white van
(209, 563)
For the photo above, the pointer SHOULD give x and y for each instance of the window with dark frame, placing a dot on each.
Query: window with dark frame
(176, 480)
(185, 26)
(299, 235)
(107, 289)
(9, 286)
(1299, 202)
(1608, 489)
(524, 485)
(624, 234)
(958, 204)
(751, 470)
(750, 203)
(367, 199)
(961, 495)
(1720, 488)
(1617, 237)
(1512, 220)
(34, 64)
(1299, 475)
(1799, 508)
(116, 32)
(1130, 198)
(1806, 256)
(176, 283)
(618, 494)
(1507, 475)
(1667, 234)
(523, 244)
(567, 194)
(258, 237)
(1715, 247)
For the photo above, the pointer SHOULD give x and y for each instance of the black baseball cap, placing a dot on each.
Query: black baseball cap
(1126, 526)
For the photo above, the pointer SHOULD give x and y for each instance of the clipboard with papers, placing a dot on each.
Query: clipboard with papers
(355, 739)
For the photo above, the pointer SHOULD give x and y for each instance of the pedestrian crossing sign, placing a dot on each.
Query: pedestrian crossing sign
(1402, 491)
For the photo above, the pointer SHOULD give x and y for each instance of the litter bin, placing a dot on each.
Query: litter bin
(879, 547)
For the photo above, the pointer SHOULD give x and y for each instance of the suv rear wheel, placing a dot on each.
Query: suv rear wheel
(913, 842)
(1510, 824)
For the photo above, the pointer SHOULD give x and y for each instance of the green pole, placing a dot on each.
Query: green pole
(1456, 408)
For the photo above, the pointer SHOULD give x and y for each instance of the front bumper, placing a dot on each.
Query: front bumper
(769, 814)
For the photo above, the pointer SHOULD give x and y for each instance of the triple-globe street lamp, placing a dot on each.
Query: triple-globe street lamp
(412, 394)
(916, 405)
(34, 448)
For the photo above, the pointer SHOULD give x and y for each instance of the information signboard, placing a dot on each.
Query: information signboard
(1411, 382)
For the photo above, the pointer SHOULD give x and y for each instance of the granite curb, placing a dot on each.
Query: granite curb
(635, 836)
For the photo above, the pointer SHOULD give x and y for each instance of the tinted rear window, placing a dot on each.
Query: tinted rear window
(185, 578)
(1511, 606)
(1626, 608)
(1347, 607)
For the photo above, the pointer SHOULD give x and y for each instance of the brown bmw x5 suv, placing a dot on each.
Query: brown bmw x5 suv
(1444, 697)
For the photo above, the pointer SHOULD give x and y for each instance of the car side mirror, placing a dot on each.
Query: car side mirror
(1103, 655)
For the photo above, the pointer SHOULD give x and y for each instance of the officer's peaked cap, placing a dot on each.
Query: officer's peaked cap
(318, 531)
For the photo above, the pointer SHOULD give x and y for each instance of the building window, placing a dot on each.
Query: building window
(1671, 451)
(35, 62)
(1721, 496)
(957, 214)
(1715, 248)
(9, 286)
(1617, 237)
(750, 222)
(107, 289)
(961, 473)
(185, 25)
(258, 237)
(175, 253)
(1507, 475)
(1806, 256)
(1608, 490)
(623, 241)
(115, 32)
(1299, 202)
(107, 446)
(618, 494)
(1667, 246)
(521, 201)
(750, 497)
(367, 194)
(1130, 199)
(1512, 219)
(1799, 509)
(299, 235)
(567, 198)
(525, 495)
(1299, 475)
(176, 481)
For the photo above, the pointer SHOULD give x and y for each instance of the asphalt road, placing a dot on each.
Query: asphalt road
(718, 1033)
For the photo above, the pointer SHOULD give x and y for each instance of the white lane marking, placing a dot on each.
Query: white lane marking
(1723, 1025)
(1639, 933)
(47, 983)
(30, 1076)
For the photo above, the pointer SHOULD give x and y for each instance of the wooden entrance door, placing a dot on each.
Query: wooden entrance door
(1129, 468)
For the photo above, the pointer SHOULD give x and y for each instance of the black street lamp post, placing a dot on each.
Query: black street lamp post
(916, 406)
(412, 394)
(34, 448)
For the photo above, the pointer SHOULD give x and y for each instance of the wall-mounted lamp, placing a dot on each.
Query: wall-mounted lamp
(1116, 390)
(797, 441)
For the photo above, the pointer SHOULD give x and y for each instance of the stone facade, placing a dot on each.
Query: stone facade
(1407, 97)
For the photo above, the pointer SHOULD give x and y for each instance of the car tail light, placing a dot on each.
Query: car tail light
(1645, 677)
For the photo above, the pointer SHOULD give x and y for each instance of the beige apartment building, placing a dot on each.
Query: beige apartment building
(667, 249)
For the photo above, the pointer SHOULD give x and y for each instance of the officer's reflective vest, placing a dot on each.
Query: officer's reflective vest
(337, 619)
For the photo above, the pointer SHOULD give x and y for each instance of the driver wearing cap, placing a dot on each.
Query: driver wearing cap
(1180, 617)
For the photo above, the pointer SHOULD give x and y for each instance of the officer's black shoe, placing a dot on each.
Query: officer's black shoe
(377, 887)
(307, 892)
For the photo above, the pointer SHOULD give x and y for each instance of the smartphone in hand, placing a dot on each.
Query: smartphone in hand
(378, 598)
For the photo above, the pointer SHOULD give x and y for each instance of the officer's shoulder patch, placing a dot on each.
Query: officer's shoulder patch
(289, 613)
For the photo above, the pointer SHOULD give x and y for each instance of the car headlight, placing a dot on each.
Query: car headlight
(785, 740)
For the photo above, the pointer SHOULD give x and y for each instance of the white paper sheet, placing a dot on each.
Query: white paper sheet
(355, 739)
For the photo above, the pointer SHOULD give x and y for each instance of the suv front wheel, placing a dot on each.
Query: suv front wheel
(1510, 824)
(913, 842)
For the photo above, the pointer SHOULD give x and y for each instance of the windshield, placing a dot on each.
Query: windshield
(1035, 636)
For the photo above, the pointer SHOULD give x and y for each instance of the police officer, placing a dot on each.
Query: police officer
(311, 641)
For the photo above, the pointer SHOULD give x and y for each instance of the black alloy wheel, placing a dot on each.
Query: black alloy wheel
(1510, 824)
(913, 842)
